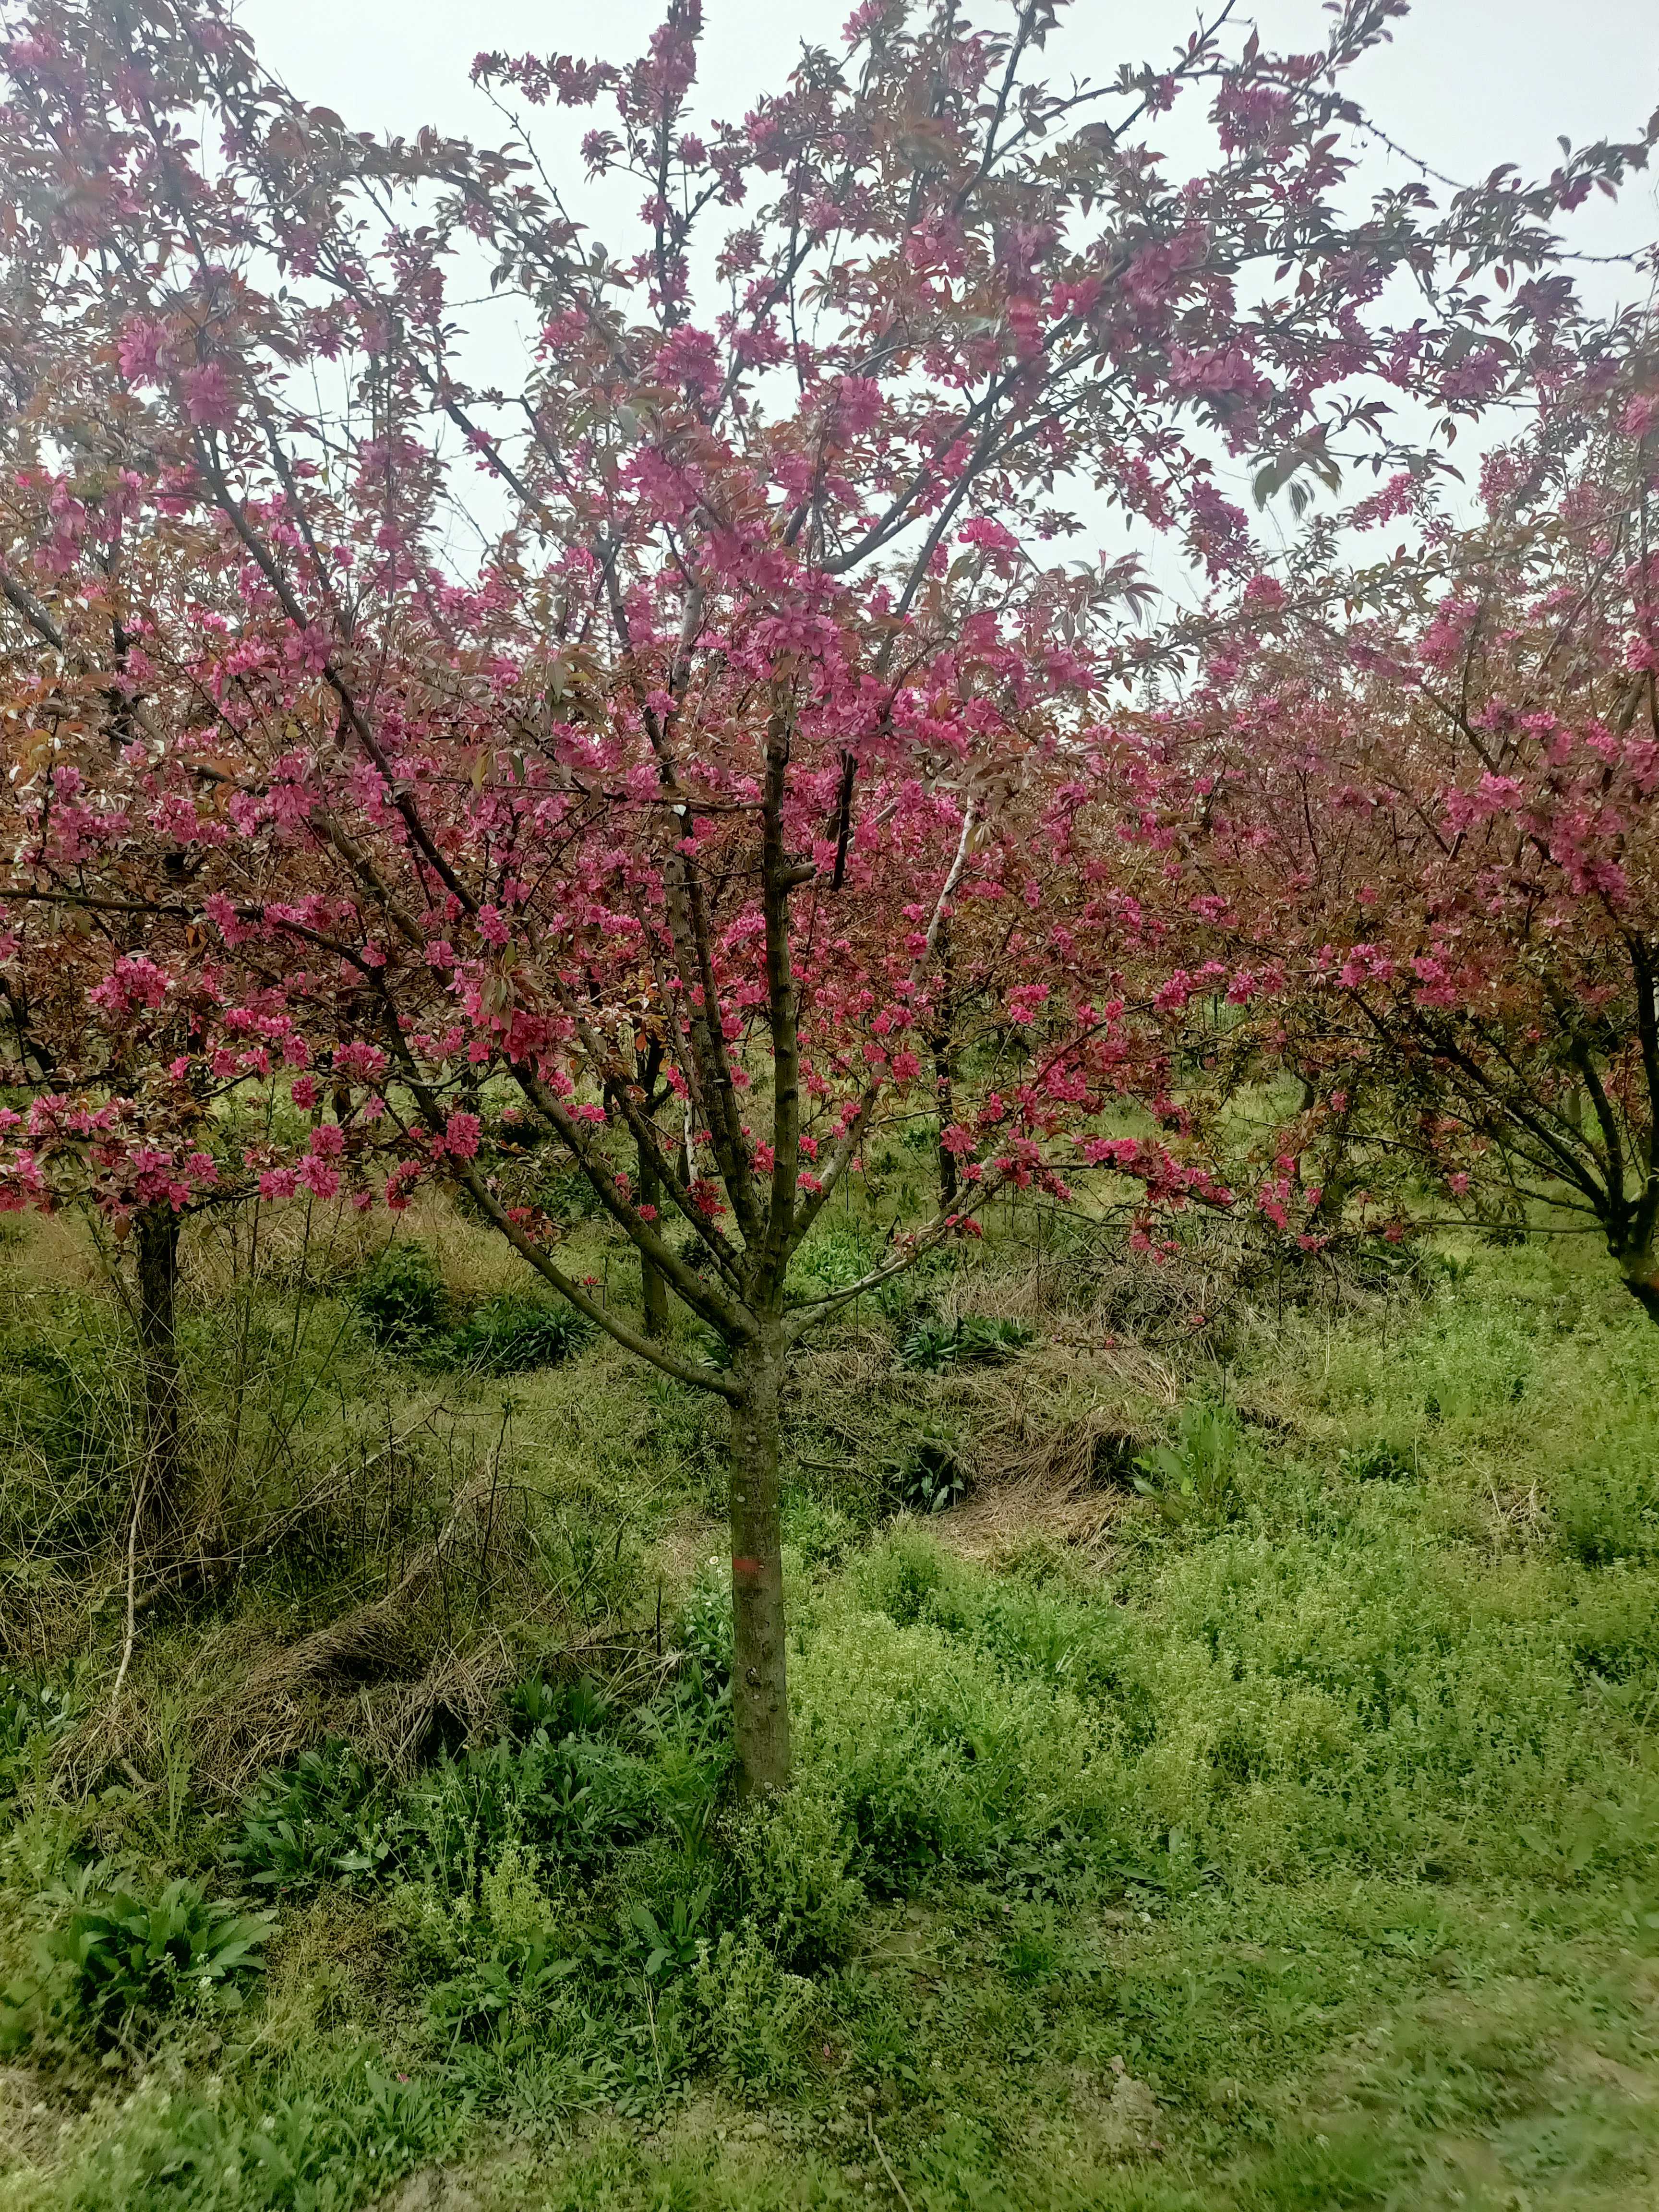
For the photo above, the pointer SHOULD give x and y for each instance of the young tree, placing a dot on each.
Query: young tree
(753, 697)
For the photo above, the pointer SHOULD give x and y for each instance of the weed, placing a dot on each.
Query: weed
(536, 1708)
(321, 2132)
(508, 1986)
(793, 1860)
(671, 1942)
(755, 2012)
(1192, 1476)
(972, 1340)
(307, 1823)
(705, 1627)
(935, 1479)
(1378, 1460)
(119, 1958)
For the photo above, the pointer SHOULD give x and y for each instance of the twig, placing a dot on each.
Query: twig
(882, 2154)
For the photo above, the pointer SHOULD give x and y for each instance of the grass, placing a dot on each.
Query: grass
(1287, 1849)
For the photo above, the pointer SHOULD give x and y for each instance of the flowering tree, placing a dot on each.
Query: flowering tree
(746, 754)
(1416, 860)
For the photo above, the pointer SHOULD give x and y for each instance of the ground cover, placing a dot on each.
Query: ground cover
(1240, 1793)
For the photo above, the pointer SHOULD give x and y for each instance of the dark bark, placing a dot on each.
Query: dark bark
(760, 1704)
(163, 1472)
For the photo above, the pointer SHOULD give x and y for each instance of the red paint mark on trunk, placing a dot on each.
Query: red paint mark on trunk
(745, 1566)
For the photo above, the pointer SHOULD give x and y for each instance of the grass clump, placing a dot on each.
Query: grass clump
(972, 1340)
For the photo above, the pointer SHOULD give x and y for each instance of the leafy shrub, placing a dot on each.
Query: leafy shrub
(118, 1958)
(511, 1335)
(1191, 1477)
(935, 1479)
(978, 1340)
(401, 1299)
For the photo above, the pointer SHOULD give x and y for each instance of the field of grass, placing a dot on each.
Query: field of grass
(1276, 1834)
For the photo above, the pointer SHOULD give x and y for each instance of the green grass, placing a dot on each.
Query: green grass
(1290, 1851)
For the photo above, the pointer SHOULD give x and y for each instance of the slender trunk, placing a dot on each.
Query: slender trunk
(760, 1703)
(158, 1347)
(653, 1288)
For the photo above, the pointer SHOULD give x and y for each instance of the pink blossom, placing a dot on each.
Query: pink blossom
(462, 1133)
(208, 398)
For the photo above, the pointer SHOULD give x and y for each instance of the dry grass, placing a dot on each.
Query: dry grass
(429, 1654)
(325, 1245)
(34, 2114)
(47, 1254)
(1047, 1441)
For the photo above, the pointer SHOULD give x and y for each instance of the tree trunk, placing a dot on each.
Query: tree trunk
(162, 1474)
(654, 1290)
(1639, 1266)
(760, 1703)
